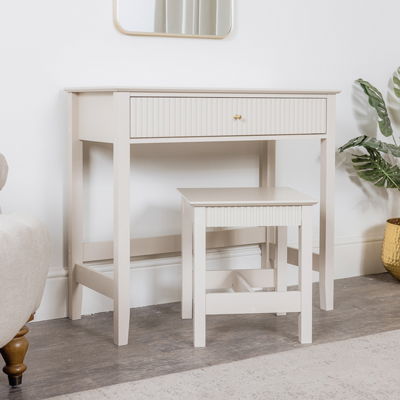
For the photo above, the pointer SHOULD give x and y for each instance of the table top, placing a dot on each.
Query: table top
(199, 90)
(215, 197)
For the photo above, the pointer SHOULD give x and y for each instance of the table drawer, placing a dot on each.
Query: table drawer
(223, 116)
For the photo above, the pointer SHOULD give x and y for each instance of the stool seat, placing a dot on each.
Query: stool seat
(250, 290)
(214, 197)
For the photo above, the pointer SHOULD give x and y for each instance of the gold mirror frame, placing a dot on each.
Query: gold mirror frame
(116, 18)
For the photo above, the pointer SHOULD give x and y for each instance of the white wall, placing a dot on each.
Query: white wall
(47, 45)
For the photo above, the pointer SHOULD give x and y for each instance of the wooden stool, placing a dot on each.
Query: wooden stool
(244, 291)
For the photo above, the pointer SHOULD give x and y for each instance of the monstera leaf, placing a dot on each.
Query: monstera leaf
(371, 143)
(3, 171)
(380, 164)
(396, 83)
(376, 101)
(373, 168)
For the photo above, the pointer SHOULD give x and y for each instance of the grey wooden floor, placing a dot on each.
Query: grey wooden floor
(70, 356)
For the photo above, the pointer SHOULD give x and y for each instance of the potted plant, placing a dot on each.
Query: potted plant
(378, 162)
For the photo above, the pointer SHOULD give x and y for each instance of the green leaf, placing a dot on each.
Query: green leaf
(368, 142)
(376, 101)
(373, 168)
(396, 82)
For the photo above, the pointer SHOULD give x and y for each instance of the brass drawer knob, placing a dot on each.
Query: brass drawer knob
(237, 117)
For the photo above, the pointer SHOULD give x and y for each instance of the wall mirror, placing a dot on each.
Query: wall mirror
(179, 18)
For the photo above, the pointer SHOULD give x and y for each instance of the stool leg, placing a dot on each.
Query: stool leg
(281, 261)
(199, 257)
(305, 276)
(187, 260)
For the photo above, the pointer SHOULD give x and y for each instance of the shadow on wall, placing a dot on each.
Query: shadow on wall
(371, 252)
(154, 215)
(98, 185)
(364, 114)
(156, 172)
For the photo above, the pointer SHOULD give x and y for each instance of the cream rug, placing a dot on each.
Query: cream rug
(357, 369)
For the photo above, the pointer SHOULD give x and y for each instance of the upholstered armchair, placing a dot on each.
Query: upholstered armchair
(24, 261)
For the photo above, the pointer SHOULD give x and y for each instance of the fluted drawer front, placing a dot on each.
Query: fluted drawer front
(253, 216)
(201, 116)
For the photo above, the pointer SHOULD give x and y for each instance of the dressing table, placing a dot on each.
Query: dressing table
(128, 116)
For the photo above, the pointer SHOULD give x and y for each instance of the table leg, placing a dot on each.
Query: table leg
(121, 250)
(121, 242)
(75, 212)
(267, 179)
(327, 218)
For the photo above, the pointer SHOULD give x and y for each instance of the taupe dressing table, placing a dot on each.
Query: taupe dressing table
(127, 116)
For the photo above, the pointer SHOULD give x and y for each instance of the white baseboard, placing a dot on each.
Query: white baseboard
(157, 281)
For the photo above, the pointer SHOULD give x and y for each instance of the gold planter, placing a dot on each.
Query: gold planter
(391, 247)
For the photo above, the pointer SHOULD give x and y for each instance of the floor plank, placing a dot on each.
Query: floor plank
(66, 356)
